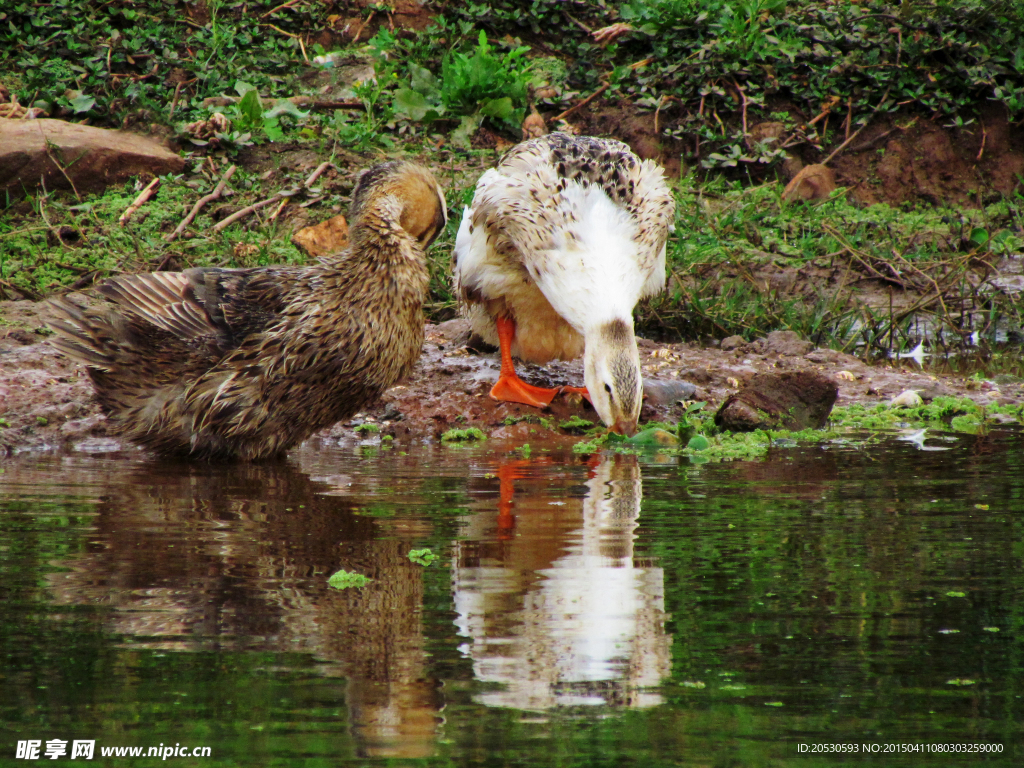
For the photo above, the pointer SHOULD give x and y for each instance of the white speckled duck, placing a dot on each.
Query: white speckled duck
(562, 240)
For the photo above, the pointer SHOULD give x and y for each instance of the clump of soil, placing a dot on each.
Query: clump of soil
(46, 400)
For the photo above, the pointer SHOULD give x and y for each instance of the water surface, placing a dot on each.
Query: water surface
(584, 611)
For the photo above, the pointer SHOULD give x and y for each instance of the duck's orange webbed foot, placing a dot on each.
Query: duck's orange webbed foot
(512, 389)
(578, 391)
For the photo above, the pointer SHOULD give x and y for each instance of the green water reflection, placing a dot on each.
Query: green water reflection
(599, 612)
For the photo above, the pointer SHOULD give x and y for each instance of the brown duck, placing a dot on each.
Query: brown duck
(245, 363)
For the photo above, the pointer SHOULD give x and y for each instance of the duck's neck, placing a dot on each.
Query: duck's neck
(378, 235)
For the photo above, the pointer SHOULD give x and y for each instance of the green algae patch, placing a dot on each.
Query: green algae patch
(959, 414)
(463, 435)
(345, 579)
(423, 557)
(700, 440)
(576, 425)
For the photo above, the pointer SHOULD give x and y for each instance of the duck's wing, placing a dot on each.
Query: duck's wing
(222, 305)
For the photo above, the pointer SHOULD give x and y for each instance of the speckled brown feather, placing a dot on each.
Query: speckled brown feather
(245, 363)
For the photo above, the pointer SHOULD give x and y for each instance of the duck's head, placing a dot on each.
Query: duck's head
(407, 190)
(611, 371)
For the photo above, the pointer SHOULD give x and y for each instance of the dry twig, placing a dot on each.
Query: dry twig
(139, 201)
(283, 196)
(217, 192)
(590, 98)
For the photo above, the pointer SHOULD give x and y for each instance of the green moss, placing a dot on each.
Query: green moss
(368, 427)
(463, 435)
(345, 579)
(576, 425)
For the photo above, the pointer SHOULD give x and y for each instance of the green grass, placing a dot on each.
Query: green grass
(729, 236)
(711, 63)
(84, 242)
(725, 234)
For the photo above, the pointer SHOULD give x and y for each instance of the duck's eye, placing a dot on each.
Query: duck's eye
(608, 388)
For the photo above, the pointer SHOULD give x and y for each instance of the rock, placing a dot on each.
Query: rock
(668, 392)
(792, 166)
(815, 182)
(732, 342)
(93, 158)
(932, 389)
(534, 126)
(766, 134)
(785, 343)
(323, 239)
(654, 437)
(793, 400)
(908, 398)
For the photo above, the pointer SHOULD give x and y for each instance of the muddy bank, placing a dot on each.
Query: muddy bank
(46, 401)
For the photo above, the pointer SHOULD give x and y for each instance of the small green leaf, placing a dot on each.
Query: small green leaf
(411, 104)
(285, 107)
(251, 108)
(467, 127)
(83, 103)
(500, 109)
(423, 81)
(272, 128)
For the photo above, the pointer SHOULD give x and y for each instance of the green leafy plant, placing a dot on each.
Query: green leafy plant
(474, 86)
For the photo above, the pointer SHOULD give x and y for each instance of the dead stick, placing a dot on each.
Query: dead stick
(144, 195)
(984, 135)
(245, 212)
(582, 104)
(272, 11)
(275, 214)
(317, 173)
(217, 192)
(282, 196)
(336, 105)
(856, 133)
(355, 37)
(174, 100)
(743, 96)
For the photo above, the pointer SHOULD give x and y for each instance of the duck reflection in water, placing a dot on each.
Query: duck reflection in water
(562, 613)
(202, 558)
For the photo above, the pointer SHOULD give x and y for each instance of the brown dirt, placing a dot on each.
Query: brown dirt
(46, 401)
(898, 158)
